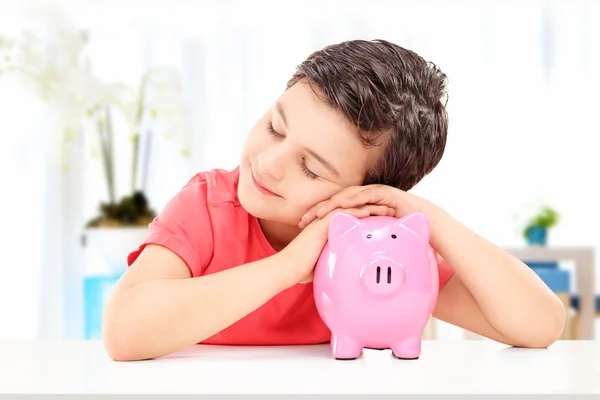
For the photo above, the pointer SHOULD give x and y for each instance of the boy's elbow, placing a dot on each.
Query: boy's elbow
(120, 343)
(557, 324)
(119, 350)
(557, 320)
(120, 336)
(553, 327)
(544, 341)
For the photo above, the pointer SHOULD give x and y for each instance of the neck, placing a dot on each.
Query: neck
(278, 234)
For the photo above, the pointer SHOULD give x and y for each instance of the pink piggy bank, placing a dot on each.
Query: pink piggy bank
(376, 284)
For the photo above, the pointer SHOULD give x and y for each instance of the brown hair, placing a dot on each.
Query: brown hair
(386, 91)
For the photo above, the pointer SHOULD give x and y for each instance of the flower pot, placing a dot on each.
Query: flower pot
(537, 236)
(113, 245)
(96, 290)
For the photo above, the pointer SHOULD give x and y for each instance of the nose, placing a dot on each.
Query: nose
(383, 276)
(270, 162)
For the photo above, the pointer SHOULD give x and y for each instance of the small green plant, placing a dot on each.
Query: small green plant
(546, 218)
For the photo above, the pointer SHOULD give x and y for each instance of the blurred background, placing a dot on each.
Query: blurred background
(119, 103)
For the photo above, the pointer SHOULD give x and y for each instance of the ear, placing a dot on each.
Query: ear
(340, 224)
(418, 223)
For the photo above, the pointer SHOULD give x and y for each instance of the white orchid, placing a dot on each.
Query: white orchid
(165, 102)
(50, 55)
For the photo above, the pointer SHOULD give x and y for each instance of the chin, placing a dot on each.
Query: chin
(266, 209)
(256, 204)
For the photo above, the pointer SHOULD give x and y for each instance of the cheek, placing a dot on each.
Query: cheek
(309, 193)
(251, 148)
(257, 141)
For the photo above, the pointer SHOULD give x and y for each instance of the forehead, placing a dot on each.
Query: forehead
(312, 123)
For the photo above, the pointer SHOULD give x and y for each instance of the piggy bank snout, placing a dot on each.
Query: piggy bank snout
(383, 276)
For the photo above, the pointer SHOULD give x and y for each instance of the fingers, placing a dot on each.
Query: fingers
(359, 212)
(334, 202)
(375, 209)
(324, 222)
(373, 195)
(356, 212)
(311, 214)
(329, 205)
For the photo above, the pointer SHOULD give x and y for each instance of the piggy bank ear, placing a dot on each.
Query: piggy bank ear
(418, 223)
(340, 224)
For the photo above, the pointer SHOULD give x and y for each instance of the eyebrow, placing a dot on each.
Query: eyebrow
(326, 164)
(279, 109)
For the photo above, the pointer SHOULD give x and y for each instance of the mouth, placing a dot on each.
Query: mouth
(264, 189)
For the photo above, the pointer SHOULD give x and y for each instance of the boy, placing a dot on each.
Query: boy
(229, 260)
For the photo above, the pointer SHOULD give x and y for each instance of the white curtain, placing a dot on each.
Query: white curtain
(523, 84)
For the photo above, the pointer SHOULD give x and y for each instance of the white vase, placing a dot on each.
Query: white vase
(111, 246)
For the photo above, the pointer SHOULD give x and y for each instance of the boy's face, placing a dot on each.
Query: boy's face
(312, 153)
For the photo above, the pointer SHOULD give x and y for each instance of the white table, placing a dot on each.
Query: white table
(444, 367)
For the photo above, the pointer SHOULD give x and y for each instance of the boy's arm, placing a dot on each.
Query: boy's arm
(492, 293)
(457, 306)
(157, 308)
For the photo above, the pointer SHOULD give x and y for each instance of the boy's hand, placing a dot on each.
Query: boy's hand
(302, 253)
(377, 199)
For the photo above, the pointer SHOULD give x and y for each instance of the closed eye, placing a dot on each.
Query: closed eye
(307, 171)
(272, 130)
(303, 166)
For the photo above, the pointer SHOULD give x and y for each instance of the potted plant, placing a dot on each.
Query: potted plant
(50, 55)
(122, 223)
(536, 229)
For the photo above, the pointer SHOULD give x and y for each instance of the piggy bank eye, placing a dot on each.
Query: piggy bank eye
(369, 236)
(394, 236)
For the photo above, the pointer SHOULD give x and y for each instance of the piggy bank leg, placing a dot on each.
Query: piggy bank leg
(345, 347)
(408, 349)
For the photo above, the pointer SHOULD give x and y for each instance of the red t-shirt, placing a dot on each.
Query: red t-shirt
(207, 227)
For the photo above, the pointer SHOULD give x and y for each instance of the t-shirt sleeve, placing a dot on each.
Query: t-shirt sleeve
(444, 270)
(184, 227)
